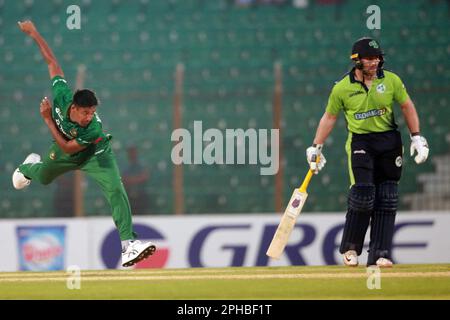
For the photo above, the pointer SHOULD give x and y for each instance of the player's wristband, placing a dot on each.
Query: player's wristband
(415, 134)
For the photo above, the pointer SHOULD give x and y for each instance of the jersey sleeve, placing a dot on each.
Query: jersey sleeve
(334, 102)
(94, 136)
(62, 94)
(400, 93)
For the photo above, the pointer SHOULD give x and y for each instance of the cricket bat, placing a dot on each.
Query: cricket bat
(289, 218)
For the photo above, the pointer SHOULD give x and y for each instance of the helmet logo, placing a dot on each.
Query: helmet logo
(373, 44)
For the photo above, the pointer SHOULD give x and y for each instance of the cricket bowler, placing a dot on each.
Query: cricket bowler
(79, 144)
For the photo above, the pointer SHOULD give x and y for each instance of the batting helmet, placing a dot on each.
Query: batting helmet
(366, 47)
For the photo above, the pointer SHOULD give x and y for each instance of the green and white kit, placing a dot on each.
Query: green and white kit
(97, 160)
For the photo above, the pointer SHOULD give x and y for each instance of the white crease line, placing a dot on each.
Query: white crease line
(234, 277)
(141, 272)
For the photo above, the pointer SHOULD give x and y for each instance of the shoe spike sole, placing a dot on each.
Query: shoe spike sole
(144, 255)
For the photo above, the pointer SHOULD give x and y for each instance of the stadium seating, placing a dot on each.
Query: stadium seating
(131, 49)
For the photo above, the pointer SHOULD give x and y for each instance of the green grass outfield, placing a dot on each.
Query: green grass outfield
(262, 283)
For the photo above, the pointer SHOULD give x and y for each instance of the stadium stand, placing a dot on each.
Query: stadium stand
(131, 49)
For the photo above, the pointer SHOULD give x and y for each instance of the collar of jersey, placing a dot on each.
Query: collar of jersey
(380, 74)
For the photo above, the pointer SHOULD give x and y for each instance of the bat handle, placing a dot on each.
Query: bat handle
(306, 181)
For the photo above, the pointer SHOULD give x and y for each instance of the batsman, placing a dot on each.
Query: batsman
(79, 144)
(366, 96)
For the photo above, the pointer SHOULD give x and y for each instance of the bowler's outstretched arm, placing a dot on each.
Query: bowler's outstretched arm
(53, 67)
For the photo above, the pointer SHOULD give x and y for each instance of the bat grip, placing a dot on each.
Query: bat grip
(306, 181)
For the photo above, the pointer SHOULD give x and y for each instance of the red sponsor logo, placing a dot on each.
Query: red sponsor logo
(31, 253)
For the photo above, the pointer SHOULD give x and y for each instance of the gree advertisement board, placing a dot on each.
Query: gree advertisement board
(210, 241)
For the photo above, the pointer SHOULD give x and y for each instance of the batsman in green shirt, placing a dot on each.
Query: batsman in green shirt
(79, 144)
(366, 95)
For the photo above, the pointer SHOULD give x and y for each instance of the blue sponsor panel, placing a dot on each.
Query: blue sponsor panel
(41, 248)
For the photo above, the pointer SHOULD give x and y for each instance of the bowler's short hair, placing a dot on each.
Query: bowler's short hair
(85, 98)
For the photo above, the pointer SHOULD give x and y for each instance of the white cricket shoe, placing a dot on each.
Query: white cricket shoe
(137, 251)
(351, 258)
(384, 263)
(18, 179)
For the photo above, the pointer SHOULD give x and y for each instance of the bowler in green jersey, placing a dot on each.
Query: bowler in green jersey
(366, 95)
(79, 144)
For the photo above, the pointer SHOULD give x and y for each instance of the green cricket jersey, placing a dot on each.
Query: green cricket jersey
(368, 111)
(97, 160)
(91, 136)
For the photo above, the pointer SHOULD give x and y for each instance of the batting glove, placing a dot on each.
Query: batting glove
(315, 158)
(419, 144)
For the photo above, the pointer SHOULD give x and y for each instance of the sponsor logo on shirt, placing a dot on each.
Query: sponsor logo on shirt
(370, 114)
(60, 127)
(59, 123)
(58, 112)
(355, 93)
